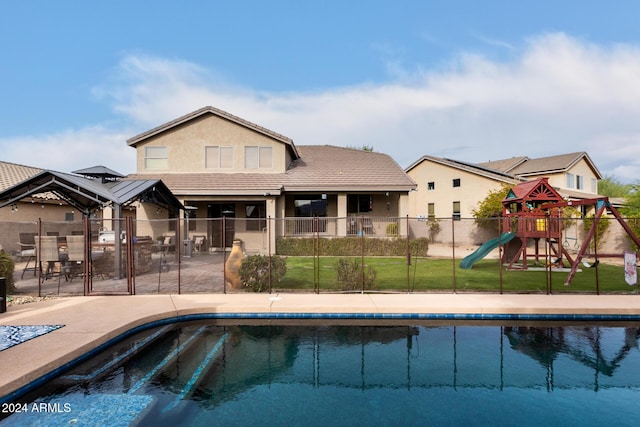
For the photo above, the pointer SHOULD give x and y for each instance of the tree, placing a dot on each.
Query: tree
(609, 186)
(490, 208)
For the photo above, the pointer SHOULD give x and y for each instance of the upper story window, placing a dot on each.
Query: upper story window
(431, 185)
(156, 158)
(456, 182)
(579, 182)
(258, 157)
(594, 186)
(218, 157)
(570, 180)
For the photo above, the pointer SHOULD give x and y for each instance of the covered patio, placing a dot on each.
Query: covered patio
(101, 196)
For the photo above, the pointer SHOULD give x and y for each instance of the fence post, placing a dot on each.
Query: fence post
(269, 248)
(453, 251)
(362, 259)
(408, 258)
(223, 227)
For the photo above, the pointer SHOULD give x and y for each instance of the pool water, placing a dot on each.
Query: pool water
(203, 374)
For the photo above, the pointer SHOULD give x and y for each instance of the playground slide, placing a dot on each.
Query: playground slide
(483, 250)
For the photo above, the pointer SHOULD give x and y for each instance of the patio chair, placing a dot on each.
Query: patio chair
(27, 246)
(199, 243)
(47, 252)
(75, 257)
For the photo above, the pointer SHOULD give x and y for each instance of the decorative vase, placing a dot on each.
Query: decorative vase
(233, 264)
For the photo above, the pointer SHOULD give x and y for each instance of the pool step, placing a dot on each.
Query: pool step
(188, 388)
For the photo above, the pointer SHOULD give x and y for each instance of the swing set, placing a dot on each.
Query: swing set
(533, 210)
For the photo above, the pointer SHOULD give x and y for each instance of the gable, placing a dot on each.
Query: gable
(211, 141)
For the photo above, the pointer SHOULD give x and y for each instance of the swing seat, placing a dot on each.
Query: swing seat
(587, 265)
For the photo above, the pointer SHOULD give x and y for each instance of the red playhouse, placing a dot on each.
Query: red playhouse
(534, 210)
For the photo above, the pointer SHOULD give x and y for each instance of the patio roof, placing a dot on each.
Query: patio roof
(87, 194)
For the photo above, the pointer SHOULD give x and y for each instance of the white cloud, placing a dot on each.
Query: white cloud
(72, 150)
(557, 94)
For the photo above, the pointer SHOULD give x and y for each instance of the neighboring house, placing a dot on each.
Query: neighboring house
(221, 165)
(45, 206)
(573, 175)
(449, 188)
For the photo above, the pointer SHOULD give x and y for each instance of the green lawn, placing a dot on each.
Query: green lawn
(428, 274)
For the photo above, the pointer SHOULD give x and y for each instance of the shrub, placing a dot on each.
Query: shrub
(350, 246)
(254, 271)
(392, 229)
(7, 266)
(350, 275)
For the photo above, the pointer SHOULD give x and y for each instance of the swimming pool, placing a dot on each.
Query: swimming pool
(279, 373)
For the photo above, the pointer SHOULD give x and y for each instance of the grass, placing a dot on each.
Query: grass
(429, 274)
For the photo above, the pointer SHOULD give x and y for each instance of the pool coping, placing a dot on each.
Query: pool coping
(93, 322)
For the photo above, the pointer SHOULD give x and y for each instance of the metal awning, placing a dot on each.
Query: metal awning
(87, 194)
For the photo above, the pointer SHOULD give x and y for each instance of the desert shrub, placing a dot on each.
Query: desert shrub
(350, 275)
(254, 271)
(7, 266)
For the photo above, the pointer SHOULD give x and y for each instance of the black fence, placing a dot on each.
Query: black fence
(348, 254)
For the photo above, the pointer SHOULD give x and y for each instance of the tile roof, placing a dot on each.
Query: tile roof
(525, 166)
(11, 174)
(346, 169)
(320, 168)
(504, 165)
(548, 164)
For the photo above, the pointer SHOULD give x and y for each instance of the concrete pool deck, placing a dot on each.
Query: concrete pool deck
(93, 320)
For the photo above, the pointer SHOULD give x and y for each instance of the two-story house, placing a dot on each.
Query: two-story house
(449, 188)
(222, 166)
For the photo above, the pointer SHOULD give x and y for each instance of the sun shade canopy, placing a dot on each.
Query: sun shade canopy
(87, 194)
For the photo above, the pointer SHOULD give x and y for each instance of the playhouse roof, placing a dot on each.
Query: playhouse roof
(535, 190)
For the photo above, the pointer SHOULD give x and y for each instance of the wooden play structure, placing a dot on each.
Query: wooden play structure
(533, 211)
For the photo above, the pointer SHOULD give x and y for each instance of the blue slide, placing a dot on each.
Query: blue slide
(483, 250)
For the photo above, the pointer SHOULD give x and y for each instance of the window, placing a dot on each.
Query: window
(156, 158)
(68, 216)
(255, 213)
(431, 185)
(218, 157)
(594, 186)
(258, 157)
(311, 205)
(579, 182)
(456, 182)
(359, 203)
(570, 180)
(431, 210)
(456, 210)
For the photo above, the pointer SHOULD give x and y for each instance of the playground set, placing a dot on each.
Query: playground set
(533, 211)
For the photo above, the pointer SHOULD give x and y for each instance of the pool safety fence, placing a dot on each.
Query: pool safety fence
(248, 252)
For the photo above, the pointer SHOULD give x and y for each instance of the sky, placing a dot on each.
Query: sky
(463, 79)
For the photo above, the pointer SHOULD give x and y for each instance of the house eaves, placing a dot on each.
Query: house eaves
(133, 141)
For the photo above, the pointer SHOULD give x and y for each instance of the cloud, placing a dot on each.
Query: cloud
(71, 150)
(554, 94)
